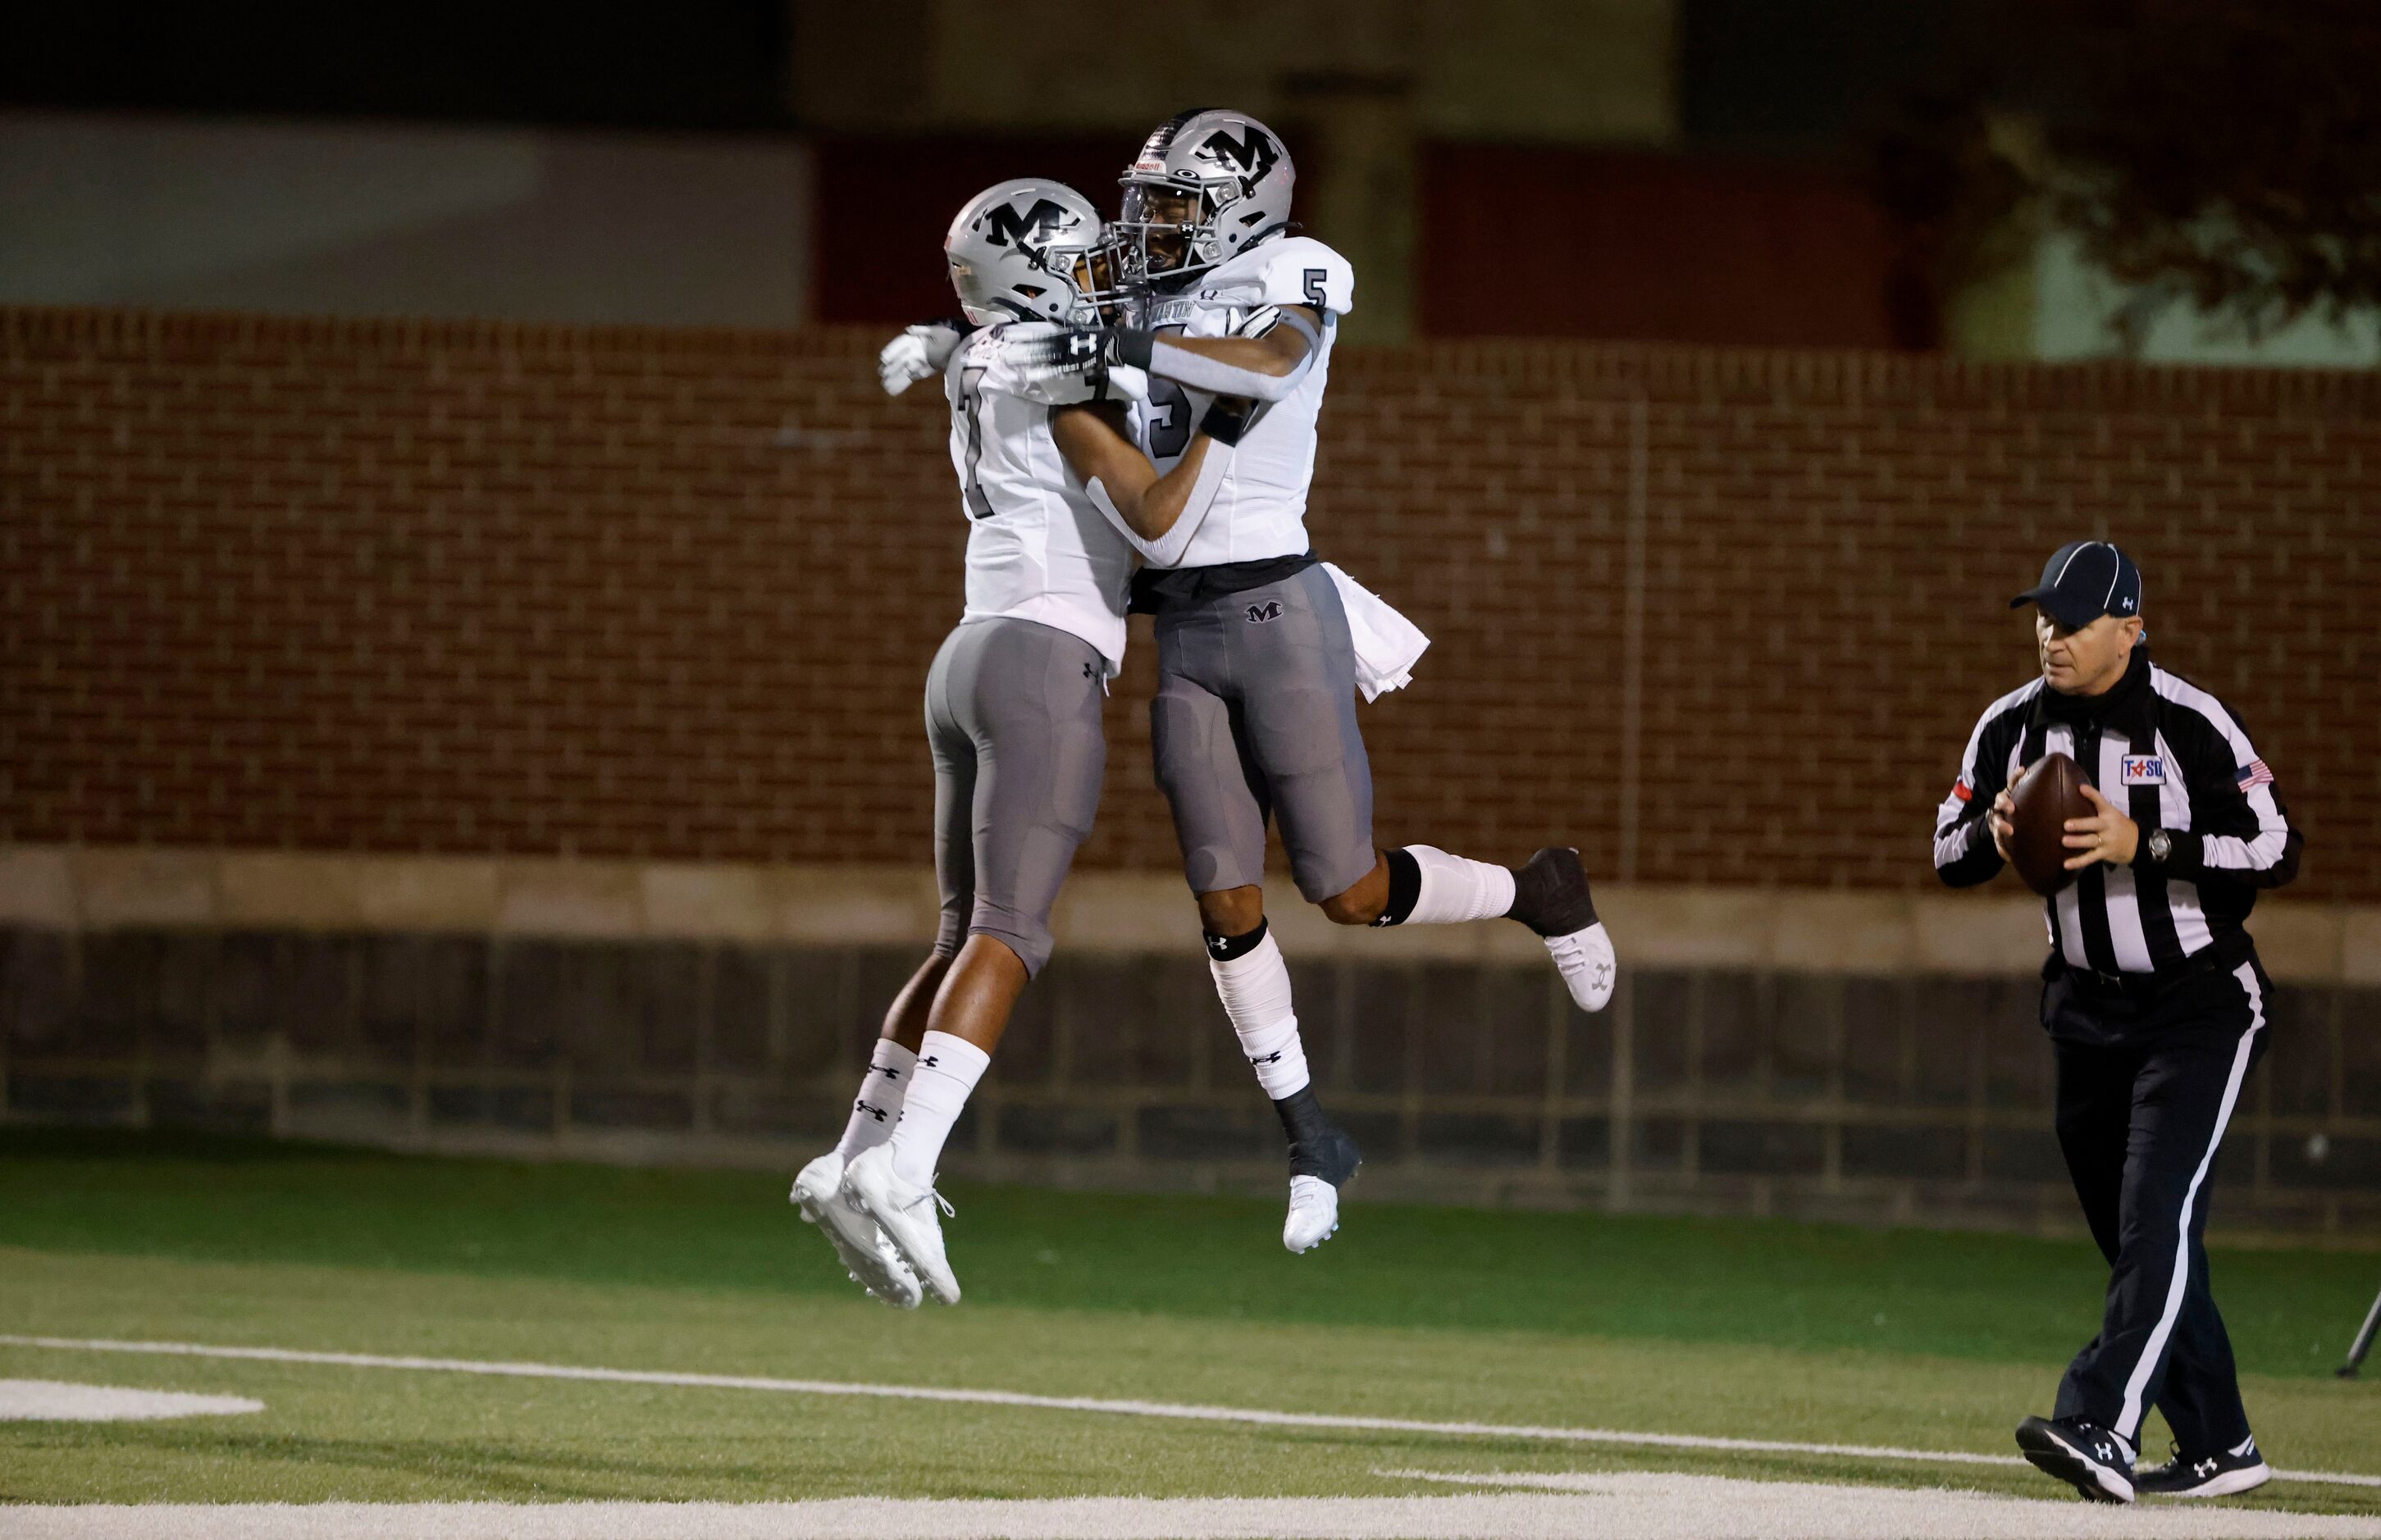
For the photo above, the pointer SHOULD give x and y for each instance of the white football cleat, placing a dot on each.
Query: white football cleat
(867, 1255)
(905, 1214)
(1314, 1214)
(1584, 960)
(1322, 1161)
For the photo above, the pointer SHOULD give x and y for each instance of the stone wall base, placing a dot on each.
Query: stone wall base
(1717, 1087)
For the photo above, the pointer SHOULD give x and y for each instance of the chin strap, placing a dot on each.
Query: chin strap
(1167, 549)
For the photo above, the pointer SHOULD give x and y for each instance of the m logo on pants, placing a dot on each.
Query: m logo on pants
(1260, 613)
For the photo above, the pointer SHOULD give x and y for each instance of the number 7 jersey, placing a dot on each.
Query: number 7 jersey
(1037, 548)
(1260, 507)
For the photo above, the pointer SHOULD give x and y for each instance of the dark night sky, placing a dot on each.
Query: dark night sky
(1791, 76)
(707, 64)
(1782, 76)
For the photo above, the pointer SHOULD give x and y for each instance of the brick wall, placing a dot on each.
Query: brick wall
(1714, 615)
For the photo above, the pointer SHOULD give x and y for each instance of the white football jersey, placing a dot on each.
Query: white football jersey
(1259, 509)
(1037, 548)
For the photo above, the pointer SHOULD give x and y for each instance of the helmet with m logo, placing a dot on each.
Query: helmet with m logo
(1208, 184)
(1031, 250)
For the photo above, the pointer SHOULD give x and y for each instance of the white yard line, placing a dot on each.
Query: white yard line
(52, 1400)
(1171, 1410)
(1634, 1504)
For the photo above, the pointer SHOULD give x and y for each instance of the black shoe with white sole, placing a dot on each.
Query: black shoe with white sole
(2084, 1455)
(2238, 1469)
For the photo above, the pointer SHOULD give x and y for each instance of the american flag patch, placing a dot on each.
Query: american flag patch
(2254, 774)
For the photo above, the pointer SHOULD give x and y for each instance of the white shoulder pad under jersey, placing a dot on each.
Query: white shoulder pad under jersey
(1259, 509)
(1038, 548)
(1287, 270)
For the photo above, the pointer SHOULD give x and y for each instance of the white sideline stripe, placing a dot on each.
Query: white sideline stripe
(1629, 1503)
(1174, 1410)
(1924, 1511)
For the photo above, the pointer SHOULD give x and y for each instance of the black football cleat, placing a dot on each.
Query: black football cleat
(2084, 1455)
(2238, 1469)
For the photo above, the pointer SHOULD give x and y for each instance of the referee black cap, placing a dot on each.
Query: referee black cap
(2084, 580)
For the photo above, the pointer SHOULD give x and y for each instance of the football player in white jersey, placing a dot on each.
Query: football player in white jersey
(1254, 716)
(1012, 716)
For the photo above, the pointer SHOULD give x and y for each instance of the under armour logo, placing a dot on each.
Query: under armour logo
(929, 1059)
(2104, 1452)
(874, 1111)
(1090, 670)
(2203, 1468)
(1082, 345)
(1603, 975)
(1219, 945)
(1260, 613)
(886, 1070)
(1273, 1057)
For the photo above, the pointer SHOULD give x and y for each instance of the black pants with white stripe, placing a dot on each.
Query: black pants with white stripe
(2145, 1089)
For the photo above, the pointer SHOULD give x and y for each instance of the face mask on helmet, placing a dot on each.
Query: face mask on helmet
(1161, 230)
(1099, 279)
(1207, 184)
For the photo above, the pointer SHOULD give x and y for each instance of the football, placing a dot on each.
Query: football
(2049, 793)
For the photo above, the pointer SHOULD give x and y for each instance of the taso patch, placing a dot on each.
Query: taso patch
(2144, 769)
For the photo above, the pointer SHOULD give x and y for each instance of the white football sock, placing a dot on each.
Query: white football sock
(1256, 990)
(948, 1067)
(878, 1106)
(1454, 889)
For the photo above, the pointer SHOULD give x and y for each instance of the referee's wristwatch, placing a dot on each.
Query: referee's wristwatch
(2158, 846)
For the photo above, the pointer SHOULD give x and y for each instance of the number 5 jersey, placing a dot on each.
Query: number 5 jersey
(1260, 508)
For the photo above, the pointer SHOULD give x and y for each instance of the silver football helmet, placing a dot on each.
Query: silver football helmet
(1208, 184)
(1032, 249)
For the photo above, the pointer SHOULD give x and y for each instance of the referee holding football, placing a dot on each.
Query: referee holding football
(2155, 1003)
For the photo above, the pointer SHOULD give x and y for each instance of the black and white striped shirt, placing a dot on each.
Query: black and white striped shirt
(2173, 757)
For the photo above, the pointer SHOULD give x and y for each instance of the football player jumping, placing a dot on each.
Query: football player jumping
(1012, 716)
(1255, 710)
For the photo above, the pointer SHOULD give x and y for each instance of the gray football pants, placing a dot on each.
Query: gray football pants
(1255, 716)
(1013, 717)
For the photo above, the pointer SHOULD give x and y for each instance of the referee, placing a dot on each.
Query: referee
(2154, 1000)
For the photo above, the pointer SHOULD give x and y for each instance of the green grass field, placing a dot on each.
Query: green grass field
(1738, 1329)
